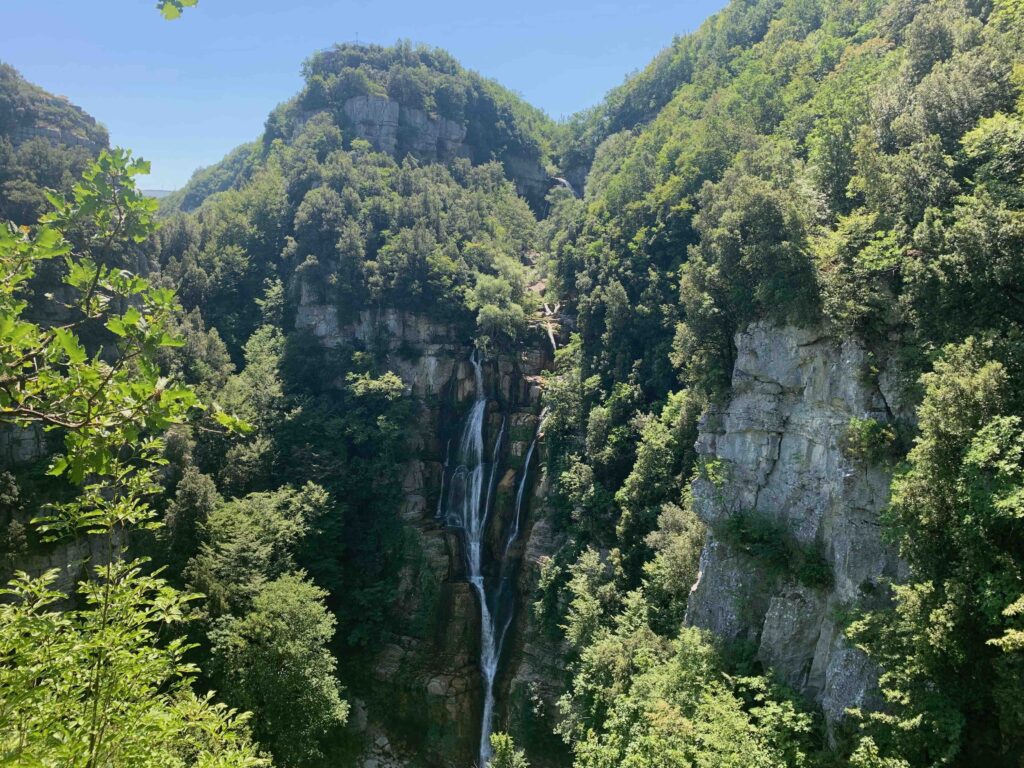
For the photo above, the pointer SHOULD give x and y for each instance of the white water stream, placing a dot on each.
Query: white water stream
(468, 508)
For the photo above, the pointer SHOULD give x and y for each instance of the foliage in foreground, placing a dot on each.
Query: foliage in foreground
(98, 684)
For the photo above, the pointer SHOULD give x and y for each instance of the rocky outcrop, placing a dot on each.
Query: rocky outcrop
(399, 130)
(21, 445)
(531, 180)
(536, 675)
(55, 135)
(30, 113)
(423, 352)
(777, 450)
(71, 560)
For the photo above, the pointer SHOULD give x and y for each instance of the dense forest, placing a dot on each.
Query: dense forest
(232, 420)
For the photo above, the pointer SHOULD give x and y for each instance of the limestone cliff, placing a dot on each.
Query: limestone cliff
(400, 130)
(536, 675)
(24, 450)
(28, 112)
(778, 447)
(390, 126)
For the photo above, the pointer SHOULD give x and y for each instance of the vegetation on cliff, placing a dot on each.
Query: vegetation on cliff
(94, 683)
(847, 165)
(493, 124)
(45, 143)
(301, 510)
(853, 166)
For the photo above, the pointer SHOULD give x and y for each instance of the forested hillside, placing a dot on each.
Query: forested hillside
(845, 167)
(45, 143)
(684, 433)
(406, 100)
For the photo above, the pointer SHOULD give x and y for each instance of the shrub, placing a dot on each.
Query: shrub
(869, 441)
(773, 546)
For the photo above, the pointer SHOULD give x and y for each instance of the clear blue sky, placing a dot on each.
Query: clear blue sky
(183, 93)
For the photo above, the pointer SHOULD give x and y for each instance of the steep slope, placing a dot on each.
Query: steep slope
(45, 141)
(766, 510)
(639, 100)
(357, 265)
(787, 215)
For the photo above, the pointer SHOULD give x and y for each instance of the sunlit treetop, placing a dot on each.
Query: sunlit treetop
(171, 9)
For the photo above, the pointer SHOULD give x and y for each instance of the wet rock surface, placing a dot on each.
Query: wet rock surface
(427, 690)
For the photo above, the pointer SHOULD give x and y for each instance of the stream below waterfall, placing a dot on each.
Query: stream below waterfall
(466, 504)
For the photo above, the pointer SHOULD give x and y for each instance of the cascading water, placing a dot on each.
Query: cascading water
(564, 183)
(444, 474)
(468, 509)
(506, 596)
(514, 533)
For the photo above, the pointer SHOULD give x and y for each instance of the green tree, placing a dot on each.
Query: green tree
(505, 754)
(950, 679)
(273, 661)
(752, 262)
(93, 686)
(638, 700)
(195, 500)
(251, 541)
(98, 686)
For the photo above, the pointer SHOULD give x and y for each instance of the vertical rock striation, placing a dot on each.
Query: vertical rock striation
(776, 451)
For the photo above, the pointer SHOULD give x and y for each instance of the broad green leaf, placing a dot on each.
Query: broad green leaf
(131, 317)
(71, 346)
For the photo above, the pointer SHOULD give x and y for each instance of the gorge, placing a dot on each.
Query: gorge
(434, 433)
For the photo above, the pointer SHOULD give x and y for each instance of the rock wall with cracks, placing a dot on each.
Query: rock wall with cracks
(399, 130)
(777, 450)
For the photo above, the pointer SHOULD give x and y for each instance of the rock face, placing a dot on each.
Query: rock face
(777, 449)
(423, 352)
(20, 446)
(72, 560)
(399, 130)
(36, 114)
(426, 695)
(536, 675)
(55, 135)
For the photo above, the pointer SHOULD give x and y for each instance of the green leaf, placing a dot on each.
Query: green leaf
(72, 348)
(131, 317)
(49, 242)
(60, 463)
(232, 423)
(166, 340)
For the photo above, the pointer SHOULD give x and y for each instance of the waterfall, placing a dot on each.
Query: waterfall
(467, 507)
(466, 512)
(506, 588)
(564, 183)
(514, 533)
(444, 471)
(494, 471)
